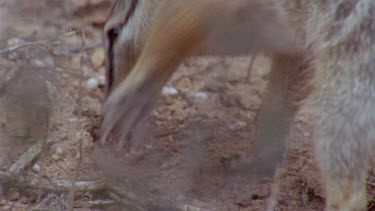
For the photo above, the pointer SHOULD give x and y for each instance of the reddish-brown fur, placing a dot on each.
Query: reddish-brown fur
(335, 40)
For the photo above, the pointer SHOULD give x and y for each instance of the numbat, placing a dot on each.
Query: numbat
(334, 40)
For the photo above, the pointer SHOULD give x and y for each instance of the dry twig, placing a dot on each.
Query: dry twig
(26, 159)
(24, 45)
(79, 138)
(250, 66)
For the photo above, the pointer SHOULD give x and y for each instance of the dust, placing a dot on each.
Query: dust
(204, 151)
(196, 147)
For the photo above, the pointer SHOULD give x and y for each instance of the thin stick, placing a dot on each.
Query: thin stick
(250, 66)
(26, 159)
(23, 45)
(53, 185)
(44, 154)
(79, 137)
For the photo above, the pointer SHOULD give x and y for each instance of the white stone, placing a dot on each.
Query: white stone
(239, 125)
(55, 157)
(201, 95)
(101, 80)
(58, 151)
(169, 91)
(92, 83)
(35, 168)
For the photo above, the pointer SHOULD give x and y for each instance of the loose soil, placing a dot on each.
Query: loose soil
(188, 152)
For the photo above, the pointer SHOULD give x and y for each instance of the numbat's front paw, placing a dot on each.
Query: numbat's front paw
(127, 106)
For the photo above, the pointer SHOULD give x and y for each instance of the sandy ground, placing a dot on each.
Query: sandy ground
(202, 124)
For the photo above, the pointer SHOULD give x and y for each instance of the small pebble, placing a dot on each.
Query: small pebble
(169, 91)
(50, 141)
(201, 95)
(98, 57)
(13, 41)
(239, 125)
(306, 134)
(148, 146)
(3, 202)
(55, 157)
(101, 80)
(39, 63)
(58, 151)
(92, 83)
(7, 207)
(154, 113)
(72, 119)
(46, 62)
(35, 168)
(13, 195)
(191, 208)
